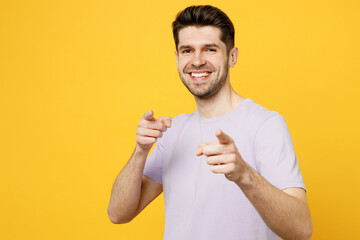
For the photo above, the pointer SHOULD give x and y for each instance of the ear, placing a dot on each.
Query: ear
(233, 56)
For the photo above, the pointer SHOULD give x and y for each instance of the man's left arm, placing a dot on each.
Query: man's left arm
(285, 211)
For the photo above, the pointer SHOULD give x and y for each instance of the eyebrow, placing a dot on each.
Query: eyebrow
(184, 47)
(212, 45)
(206, 45)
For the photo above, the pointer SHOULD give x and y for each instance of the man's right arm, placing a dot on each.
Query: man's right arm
(132, 191)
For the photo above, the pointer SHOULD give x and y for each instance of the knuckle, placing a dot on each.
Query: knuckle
(141, 123)
(148, 141)
(206, 149)
(215, 169)
(232, 167)
(138, 131)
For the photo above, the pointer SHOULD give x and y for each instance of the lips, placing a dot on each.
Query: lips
(199, 75)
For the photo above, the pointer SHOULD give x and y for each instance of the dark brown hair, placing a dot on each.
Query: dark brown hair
(205, 15)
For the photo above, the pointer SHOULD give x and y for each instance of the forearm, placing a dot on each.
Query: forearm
(126, 191)
(285, 215)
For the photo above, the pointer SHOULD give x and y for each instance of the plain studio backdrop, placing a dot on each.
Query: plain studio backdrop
(76, 76)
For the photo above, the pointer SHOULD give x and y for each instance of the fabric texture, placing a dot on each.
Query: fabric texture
(202, 205)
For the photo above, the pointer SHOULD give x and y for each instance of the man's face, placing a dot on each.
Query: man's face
(202, 60)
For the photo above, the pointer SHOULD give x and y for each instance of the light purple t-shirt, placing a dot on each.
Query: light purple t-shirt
(202, 205)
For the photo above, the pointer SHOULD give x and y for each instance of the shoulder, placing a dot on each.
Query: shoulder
(181, 120)
(265, 126)
(255, 115)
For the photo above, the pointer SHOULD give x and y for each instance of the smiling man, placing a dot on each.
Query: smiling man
(228, 170)
(204, 70)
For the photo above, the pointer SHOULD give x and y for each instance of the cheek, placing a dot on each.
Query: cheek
(181, 66)
(184, 61)
(219, 63)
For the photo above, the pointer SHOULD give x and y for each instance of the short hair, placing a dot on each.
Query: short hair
(205, 15)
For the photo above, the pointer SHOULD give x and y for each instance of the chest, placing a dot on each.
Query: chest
(187, 174)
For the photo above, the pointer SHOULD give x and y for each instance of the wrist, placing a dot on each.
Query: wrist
(246, 177)
(141, 152)
(138, 158)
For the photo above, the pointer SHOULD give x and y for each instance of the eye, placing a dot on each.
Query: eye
(186, 51)
(211, 50)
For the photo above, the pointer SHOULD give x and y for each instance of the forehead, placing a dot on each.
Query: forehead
(200, 36)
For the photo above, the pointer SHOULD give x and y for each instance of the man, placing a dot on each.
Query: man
(228, 170)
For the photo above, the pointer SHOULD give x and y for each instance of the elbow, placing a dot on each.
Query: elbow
(303, 231)
(306, 231)
(117, 219)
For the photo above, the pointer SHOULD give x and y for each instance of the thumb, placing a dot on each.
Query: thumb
(149, 115)
(222, 137)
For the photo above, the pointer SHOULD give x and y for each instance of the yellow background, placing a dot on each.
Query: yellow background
(76, 76)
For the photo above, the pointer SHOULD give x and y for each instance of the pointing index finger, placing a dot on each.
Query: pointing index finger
(149, 115)
(222, 137)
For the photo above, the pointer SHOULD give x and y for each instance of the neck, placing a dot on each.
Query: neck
(225, 100)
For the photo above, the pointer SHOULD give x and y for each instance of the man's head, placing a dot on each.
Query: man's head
(204, 38)
(205, 15)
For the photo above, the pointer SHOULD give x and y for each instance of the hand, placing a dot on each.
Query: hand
(150, 129)
(223, 156)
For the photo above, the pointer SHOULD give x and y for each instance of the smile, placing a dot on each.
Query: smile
(199, 75)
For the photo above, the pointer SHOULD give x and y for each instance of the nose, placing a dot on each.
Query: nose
(198, 60)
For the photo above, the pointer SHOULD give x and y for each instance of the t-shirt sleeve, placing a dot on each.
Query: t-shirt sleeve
(153, 164)
(275, 155)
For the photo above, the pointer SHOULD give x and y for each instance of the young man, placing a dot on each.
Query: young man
(228, 170)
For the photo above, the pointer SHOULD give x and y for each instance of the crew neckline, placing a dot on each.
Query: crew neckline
(221, 117)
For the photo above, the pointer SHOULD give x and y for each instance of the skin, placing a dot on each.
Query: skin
(201, 50)
(132, 191)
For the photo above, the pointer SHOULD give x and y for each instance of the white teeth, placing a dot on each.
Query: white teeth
(199, 75)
